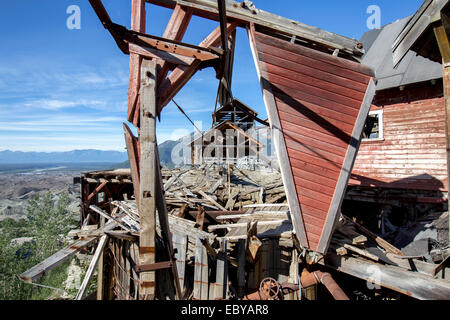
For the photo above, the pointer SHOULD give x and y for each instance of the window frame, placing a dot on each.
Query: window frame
(380, 127)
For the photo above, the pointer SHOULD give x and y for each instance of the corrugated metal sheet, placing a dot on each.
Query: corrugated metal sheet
(318, 100)
(413, 152)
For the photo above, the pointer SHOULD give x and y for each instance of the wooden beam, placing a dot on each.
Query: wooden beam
(97, 190)
(443, 43)
(111, 218)
(59, 257)
(138, 22)
(152, 53)
(175, 30)
(147, 196)
(413, 284)
(245, 14)
(165, 224)
(181, 75)
(180, 243)
(90, 271)
(175, 47)
(133, 157)
(210, 199)
(104, 18)
(221, 285)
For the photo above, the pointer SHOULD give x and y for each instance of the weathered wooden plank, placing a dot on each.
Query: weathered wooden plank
(90, 271)
(133, 158)
(180, 243)
(413, 284)
(204, 275)
(209, 9)
(207, 197)
(147, 196)
(107, 216)
(197, 291)
(59, 257)
(242, 247)
(221, 285)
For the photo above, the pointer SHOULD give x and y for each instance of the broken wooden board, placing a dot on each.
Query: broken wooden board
(59, 257)
(317, 105)
(410, 283)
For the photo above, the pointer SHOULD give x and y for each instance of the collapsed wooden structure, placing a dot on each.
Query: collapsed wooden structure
(317, 95)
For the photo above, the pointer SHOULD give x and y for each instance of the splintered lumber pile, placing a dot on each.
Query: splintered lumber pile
(221, 188)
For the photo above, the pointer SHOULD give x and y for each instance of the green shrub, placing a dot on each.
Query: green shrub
(48, 221)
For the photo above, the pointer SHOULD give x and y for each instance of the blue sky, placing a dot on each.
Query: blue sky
(64, 89)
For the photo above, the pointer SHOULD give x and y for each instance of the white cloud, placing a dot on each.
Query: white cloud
(52, 104)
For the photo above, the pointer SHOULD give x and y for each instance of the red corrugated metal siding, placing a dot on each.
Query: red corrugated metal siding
(413, 152)
(318, 98)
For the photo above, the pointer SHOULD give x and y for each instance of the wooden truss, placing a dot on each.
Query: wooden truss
(151, 88)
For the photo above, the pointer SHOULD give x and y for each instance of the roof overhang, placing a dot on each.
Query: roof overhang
(417, 34)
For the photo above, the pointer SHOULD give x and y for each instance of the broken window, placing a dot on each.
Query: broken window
(373, 129)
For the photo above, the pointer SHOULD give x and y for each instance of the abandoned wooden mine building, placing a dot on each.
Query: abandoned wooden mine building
(217, 231)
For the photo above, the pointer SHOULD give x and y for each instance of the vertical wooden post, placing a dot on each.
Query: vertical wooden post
(221, 287)
(147, 197)
(100, 269)
(241, 266)
(133, 158)
(180, 243)
(442, 39)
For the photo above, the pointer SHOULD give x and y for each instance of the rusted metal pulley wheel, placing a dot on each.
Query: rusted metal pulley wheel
(269, 288)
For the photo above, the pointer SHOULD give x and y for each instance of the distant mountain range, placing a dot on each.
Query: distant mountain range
(75, 156)
(83, 156)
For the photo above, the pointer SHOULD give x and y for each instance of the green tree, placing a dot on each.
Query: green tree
(48, 221)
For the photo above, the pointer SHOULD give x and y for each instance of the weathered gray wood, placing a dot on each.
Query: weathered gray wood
(59, 257)
(239, 225)
(410, 283)
(264, 205)
(215, 186)
(280, 147)
(164, 225)
(205, 275)
(90, 271)
(242, 247)
(204, 195)
(107, 216)
(131, 144)
(361, 252)
(180, 243)
(147, 196)
(344, 176)
(221, 285)
(100, 269)
(198, 270)
(208, 8)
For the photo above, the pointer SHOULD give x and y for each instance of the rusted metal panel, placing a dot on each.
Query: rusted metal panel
(322, 102)
(412, 154)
